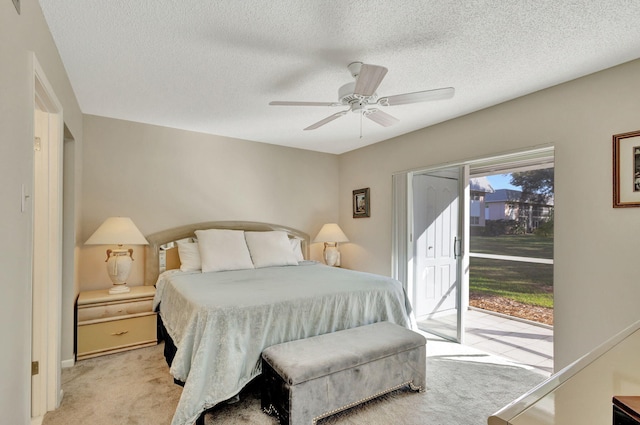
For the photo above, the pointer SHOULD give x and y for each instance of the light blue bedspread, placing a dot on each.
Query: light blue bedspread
(220, 322)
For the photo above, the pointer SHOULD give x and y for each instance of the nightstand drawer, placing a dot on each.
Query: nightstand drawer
(115, 309)
(116, 335)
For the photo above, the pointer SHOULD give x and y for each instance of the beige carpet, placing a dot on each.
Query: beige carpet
(135, 388)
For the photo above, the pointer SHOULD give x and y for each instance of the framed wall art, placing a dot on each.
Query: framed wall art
(361, 203)
(626, 169)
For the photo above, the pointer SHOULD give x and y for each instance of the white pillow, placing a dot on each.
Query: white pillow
(223, 250)
(189, 254)
(270, 249)
(297, 248)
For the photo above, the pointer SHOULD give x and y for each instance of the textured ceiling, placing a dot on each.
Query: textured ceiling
(214, 66)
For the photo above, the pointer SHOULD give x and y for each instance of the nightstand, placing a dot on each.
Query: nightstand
(112, 323)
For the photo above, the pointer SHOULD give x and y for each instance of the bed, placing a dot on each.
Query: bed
(219, 317)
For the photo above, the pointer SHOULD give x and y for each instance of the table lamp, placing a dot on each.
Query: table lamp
(331, 234)
(118, 231)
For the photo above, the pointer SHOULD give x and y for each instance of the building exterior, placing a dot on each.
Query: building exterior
(479, 187)
(505, 204)
(487, 203)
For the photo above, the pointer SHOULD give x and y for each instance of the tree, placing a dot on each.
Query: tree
(537, 189)
(537, 185)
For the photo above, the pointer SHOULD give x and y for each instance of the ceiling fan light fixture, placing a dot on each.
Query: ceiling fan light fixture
(358, 95)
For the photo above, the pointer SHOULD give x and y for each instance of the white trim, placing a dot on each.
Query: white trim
(399, 229)
(65, 364)
(524, 161)
(540, 151)
(465, 234)
(46, 308)
(512, 258)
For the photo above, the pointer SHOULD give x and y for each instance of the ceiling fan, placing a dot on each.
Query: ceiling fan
(360, 95)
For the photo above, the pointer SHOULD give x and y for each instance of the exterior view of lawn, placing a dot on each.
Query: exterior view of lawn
(524, 289)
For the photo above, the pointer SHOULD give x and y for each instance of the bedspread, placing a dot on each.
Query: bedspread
(220, 322)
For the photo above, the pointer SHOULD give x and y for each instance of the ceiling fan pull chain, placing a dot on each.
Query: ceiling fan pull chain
(361, 114)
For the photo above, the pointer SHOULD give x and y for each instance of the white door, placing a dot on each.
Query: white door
(436, 252)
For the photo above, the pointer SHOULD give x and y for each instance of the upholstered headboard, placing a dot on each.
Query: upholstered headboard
(161, 253)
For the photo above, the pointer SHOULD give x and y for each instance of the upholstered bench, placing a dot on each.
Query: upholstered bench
(308, 379)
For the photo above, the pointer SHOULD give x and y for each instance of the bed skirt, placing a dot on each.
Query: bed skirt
(169, 347)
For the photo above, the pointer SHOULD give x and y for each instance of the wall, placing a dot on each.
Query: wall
(596, 274)
(163, 184)
(20, 35)
(163, 178)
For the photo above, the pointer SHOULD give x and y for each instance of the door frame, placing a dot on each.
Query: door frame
(402, 237)
(401, 214)
(46, 392)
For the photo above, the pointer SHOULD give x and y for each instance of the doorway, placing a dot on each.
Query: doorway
(511, 283)
(46, 285)
(410, 260)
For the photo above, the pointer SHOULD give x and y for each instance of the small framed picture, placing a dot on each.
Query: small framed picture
(361, 203)
(626, 170)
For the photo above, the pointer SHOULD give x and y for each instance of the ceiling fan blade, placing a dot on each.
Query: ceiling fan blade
(380, 117)
(287, 103)
(327, 120)
(368, 80)
(418, 96)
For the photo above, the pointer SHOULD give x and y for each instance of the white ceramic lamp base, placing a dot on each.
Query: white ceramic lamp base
(119, 268)
(331, 255)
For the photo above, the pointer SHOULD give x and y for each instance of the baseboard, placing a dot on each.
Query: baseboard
(37, 421)
(68, 363)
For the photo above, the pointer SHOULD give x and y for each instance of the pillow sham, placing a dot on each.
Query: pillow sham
(297, 248)
(222, 249)
(269, 249)
(189, 254)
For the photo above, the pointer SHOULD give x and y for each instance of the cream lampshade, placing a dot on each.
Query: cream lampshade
(331, 234)
(118, 231)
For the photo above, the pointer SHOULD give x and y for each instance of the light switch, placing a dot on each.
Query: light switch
(23, 199)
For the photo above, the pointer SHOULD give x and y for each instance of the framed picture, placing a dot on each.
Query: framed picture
(361, 203)
(626, 170)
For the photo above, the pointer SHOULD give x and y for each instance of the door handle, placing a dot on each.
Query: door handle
(457, 248)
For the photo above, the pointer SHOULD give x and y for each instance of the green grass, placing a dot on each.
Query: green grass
(528, 283)
(518, 245)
